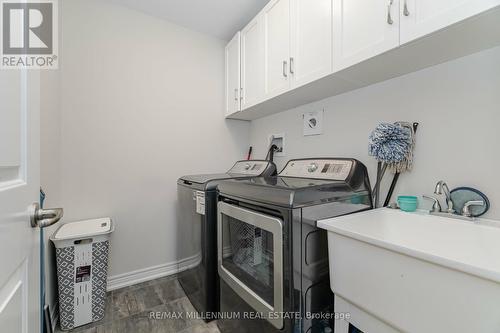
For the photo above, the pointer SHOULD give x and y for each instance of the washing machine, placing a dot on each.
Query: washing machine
(197, 231)
(272, 258)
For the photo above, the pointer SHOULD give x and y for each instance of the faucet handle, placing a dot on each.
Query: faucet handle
(466, 210)
(436, 206)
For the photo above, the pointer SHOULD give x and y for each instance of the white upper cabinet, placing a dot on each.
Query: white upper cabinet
(233, 75)
(422, 17)
(276, 17)
(311, 40)
(363, 29)
(252, 63)
(298, 51)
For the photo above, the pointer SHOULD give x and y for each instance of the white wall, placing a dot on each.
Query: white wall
(50, 136)
(50, 164)
(457, 105)
(141, 105)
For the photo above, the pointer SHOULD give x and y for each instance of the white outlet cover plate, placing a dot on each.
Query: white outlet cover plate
(313, 123)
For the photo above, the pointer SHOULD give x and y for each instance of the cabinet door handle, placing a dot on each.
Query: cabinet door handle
(235, 94)
(292, 70)
(406, 12)
(241, 94)
(389, 17)
(285, 66)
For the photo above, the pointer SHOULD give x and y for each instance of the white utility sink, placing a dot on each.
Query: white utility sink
(396, 271)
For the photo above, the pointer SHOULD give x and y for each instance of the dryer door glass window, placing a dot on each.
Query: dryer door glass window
(250, 257)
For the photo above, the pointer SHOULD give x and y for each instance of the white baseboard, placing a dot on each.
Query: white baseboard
(151, 273)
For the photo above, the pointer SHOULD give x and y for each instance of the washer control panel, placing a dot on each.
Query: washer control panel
(334, 169)
(249, 167)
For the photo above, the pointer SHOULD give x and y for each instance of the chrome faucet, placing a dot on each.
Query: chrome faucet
(436, 206)
(466, 211)
(442, 187)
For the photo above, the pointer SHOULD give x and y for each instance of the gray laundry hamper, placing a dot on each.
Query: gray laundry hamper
(82, 250)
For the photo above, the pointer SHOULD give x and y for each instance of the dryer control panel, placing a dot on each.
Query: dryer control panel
(250, 167)
(332, 169)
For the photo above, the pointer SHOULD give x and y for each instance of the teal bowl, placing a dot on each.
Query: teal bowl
(407, 203)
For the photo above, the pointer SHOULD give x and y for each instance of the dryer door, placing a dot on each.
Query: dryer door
(250, 258)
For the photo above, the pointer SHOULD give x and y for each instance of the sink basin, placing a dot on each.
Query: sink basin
(413, 272)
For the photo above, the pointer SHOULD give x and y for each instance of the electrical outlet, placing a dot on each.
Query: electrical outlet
(313, 123)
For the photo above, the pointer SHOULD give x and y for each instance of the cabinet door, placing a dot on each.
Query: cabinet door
(233, 75)
(311, 56)
(363, 29)
(421, 17)
(252, 63)
(277, 47)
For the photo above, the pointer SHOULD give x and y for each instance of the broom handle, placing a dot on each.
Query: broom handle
(396, 177)
(377, 184)
(376, 188)
(391, 189)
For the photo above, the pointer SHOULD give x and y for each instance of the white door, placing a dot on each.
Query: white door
(363, 29)
(233, 75)
(311, 56)
(421, 17)
(19, 188)
(252, 63)
(277, 47)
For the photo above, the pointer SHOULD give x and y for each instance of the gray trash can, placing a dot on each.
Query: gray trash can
(82, 250)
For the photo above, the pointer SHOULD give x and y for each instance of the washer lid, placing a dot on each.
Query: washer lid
(82, 229)
(241, 169)
(205, 178)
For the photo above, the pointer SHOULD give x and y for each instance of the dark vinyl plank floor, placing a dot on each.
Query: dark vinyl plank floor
(141, 308)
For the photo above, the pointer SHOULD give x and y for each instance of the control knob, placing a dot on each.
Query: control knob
(312, 167)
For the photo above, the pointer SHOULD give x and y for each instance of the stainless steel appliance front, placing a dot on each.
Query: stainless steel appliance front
(250, 258)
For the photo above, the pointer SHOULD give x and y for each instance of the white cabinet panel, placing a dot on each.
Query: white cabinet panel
(363, 29)
(421, 17)
(312, 39)
(252, 63)
(277, 47)
(233, 75)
